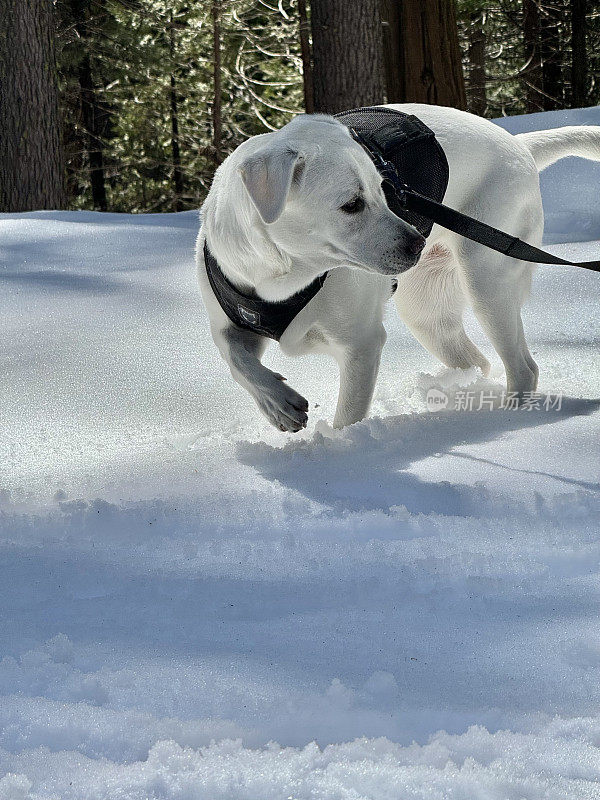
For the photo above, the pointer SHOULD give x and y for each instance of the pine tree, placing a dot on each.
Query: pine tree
(579, 70)
(532, 71)
(155, 73)
(31, 159)
(551, 29)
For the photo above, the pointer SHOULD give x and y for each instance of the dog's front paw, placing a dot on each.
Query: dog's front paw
(282, 406)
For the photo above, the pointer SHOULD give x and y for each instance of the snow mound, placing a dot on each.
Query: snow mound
(543, 765)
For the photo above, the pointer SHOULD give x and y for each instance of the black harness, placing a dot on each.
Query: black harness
(246, 311)
(414, 172)
(406, 153)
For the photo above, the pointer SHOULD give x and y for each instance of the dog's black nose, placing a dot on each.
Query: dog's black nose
(416, 245)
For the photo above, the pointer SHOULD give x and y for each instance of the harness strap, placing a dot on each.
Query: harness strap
(459, 223)
(252, 312)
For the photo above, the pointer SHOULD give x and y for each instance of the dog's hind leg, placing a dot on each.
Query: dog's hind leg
(498, 286)
(430, 300)
(527, 355)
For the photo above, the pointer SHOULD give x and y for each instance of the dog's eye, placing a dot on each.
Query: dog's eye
(355, 206)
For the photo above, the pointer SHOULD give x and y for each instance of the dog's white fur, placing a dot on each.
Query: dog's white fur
(274, 222)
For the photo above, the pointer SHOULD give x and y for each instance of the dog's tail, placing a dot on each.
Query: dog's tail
(546, 147)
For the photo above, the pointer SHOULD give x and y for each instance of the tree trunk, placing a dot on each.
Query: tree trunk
(309, 103)
(551, 56)
(94, 129)
(347, 54)
(31, 159)
(477, 101)
(533, 56)
(175, 151)
(393, 50)
(579, 63)
(94, 117)
(217, 99)
(427, 64)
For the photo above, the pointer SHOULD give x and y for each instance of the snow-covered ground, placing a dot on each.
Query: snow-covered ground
(408, 608)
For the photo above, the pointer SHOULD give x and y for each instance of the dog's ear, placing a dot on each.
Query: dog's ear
(267, 176)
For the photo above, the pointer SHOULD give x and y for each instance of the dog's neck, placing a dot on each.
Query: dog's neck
(246, 254)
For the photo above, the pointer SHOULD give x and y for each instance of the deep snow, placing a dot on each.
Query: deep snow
(174, 572)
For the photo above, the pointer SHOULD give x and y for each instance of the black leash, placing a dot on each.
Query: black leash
(485, 234)
(459, 223)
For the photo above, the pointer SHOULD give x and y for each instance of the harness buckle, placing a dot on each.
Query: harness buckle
(385, 168)
(392, 180)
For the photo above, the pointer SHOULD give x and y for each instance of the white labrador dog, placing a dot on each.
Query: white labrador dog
(287, 206)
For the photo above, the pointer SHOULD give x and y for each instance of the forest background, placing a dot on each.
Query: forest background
(130, 105)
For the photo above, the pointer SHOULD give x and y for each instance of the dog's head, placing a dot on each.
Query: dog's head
(319, 194)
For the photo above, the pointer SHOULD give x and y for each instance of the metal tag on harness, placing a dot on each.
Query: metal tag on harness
(251, 317)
